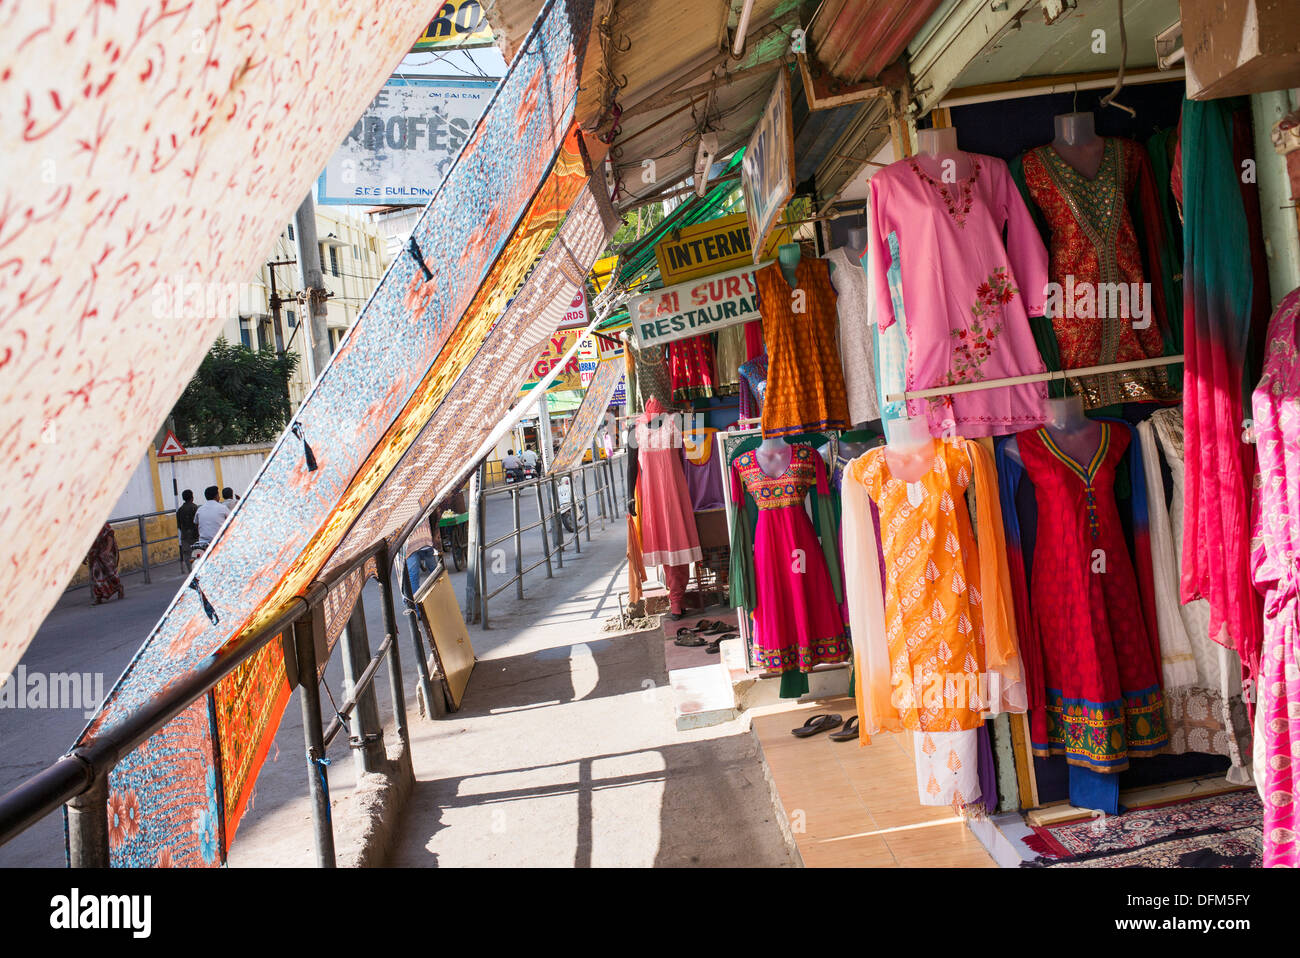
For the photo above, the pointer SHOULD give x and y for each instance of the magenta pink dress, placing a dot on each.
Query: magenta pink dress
(939, 266)
(668, 534)
(797, 622)
(1275, 568)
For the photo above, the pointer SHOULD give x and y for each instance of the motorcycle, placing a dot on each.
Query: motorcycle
(565, 493)
(197, 550)
(514, 476)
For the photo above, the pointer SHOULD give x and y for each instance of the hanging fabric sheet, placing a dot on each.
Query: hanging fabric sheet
(495, 214)
(175, 166)
(589, 417)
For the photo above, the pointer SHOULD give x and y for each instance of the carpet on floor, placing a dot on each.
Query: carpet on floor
(1220, 831)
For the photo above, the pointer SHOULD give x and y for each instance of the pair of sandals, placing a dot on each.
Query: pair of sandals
(694, 638)
(824, 723)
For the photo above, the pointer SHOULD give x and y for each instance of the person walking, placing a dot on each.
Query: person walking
(102, 561)
(186, 527)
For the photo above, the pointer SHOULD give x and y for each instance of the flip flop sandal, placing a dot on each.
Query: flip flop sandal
(815, 724)
(689, 640)
(715, 627)
(848, 733)
(714, 647)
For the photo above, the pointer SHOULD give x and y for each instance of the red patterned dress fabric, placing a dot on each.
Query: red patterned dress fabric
(1103, 696)
(691, 368)
(797, 622)
(1094, 243)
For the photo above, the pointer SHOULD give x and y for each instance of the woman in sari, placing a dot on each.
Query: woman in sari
(102, 560)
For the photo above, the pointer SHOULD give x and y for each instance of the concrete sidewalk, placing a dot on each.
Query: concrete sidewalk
(565, 752)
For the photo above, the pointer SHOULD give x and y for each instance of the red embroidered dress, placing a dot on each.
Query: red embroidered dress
(1103, 696)
(797, 620)
(1094, 247)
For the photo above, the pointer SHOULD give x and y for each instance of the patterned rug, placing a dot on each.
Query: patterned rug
(1243, 848)
(1226, 826)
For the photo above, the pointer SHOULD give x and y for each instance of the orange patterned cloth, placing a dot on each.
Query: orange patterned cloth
(939, 649)
(805, 384)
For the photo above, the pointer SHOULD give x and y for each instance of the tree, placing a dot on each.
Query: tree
(236, 396)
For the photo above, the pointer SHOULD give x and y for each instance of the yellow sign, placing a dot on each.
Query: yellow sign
(556, 346)
(602, 270)
(459, 24)
(711, 247)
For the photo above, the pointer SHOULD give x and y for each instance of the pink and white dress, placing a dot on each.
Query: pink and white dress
(1275, 569)
(939, 265)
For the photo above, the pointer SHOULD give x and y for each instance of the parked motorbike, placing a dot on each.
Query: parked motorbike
(565, 493)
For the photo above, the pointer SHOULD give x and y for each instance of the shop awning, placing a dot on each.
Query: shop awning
(433, 361)
(144, 179)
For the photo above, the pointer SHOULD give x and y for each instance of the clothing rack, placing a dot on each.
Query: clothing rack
(1062, 374)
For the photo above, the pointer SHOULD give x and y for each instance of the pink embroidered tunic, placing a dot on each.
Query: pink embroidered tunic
(939, 265)
(1275, 568)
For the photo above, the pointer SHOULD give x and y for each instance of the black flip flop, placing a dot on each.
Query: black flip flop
(714, 647)
(848, 733)
(815, 724)
(688, 639)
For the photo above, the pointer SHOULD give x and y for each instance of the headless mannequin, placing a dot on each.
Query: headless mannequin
(1076, 434)
(856, 246)
(788, 255)
(1078, 144)
(939, 156)
(909, 452)
(773, 456)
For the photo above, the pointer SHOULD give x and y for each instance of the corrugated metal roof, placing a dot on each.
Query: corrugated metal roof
(855, 40)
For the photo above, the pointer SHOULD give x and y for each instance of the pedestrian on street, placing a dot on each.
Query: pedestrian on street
(102, 560)
(229, 498)
(185, 526)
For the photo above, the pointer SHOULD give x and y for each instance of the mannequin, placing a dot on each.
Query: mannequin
(935, 149)
(1078, 144)
(1076, 434)
(909, 451)
(788, 255)
(857, 242)
(774, 456)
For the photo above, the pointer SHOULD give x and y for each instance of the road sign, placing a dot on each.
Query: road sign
(171, 446)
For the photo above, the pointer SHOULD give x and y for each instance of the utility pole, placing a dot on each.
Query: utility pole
(314, 293)
(281, 343)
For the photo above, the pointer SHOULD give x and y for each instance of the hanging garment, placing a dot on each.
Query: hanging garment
(1100, 662)
(793, 586)
(753, 386)
(648, 377)
(1275, 570)
(700, 464)
(855, 308)
(1202, 679)
(668, 535)
(1094, 247)
(936, 648)
(1217, 294)
(940, 267)
(805, 382)
(690, 368)
(730, 353)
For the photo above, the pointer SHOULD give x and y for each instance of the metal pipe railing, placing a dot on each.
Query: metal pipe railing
(551, 521)
(79, 778)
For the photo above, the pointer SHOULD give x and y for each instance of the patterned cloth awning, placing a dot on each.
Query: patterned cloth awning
(441, 344)
(155, 150)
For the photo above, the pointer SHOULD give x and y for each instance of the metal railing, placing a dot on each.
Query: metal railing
(79, 778)
(601, 480)
(143, 543)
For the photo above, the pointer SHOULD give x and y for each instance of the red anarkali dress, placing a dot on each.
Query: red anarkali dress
(1103, 697)
(1094, 246)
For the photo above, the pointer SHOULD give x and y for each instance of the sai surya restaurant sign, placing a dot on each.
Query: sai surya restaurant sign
(690, 309)
(711, 247)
